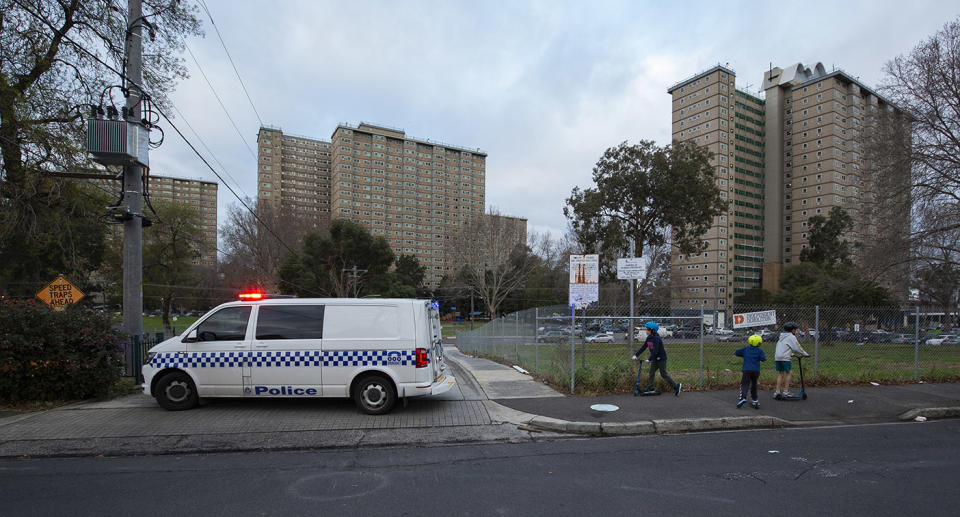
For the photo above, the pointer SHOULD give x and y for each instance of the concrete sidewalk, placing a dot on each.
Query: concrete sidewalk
(491, 403)
(703, 410)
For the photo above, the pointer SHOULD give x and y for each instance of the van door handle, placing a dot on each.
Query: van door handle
(261, 345)
(239, 346)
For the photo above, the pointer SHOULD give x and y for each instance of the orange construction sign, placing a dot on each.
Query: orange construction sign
(60, 293)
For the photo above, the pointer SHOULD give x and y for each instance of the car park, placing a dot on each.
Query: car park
(553, 336)
(371, 350)
(902, 338)
(938, 340)
(686, 333)
(599, 338)
(732, 337)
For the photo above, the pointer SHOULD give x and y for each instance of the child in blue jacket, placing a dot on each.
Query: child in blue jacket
(657, 359)
(752, 355)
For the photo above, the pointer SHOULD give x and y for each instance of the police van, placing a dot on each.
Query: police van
(370, 350)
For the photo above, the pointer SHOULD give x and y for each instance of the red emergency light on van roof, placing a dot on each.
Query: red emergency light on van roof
(256, 296)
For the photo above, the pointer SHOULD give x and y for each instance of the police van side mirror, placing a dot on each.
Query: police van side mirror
(191, 337)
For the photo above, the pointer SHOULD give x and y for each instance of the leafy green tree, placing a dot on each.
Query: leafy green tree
(825, 238)
(836, 285)
(48, 78)
(170, 248)
(69, 238)
(652, 195)
(324, 266)
(48, 72)
(410, 272)
(755, 296)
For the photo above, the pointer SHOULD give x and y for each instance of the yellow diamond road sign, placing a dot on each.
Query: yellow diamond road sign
(60, 293)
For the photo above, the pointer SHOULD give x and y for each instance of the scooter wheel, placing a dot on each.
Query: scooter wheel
(804, 396)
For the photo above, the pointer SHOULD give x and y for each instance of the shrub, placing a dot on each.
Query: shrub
(47, 355)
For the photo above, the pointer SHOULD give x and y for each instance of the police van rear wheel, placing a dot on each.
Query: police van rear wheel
(375, 395)
(176, 392)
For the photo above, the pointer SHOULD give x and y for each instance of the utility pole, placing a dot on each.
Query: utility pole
(133, 180)
(354, 274)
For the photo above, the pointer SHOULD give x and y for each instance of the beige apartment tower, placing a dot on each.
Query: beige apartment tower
(781, 159)
(414, 192)
(709, 110)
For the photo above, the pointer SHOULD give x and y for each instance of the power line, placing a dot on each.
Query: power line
(224, 45)
(205, 162)
(162, 113)
(205, 146)
(225, 111)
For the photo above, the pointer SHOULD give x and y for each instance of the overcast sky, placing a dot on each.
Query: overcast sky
(543, 87)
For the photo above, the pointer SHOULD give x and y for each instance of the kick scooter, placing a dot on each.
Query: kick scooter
(636, 388)
(800, 395)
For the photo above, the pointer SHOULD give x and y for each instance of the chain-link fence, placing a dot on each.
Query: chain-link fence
(589, 351)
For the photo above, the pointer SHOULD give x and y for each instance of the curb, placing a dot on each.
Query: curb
(931, 412)
(667, 426)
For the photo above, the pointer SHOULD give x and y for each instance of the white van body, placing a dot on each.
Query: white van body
(373, 350)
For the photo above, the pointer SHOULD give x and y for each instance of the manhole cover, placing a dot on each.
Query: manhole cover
(604, 407)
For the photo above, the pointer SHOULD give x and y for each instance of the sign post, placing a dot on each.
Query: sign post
(60, 293)
(584, 290)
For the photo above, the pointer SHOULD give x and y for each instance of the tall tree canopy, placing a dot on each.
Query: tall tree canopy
(652, 195)
(170, 248)
(827, 245)
(48, 78)
(325, 265)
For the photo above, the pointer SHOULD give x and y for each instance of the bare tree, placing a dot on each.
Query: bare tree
(926, 84)
(492, 253)
(254, 253)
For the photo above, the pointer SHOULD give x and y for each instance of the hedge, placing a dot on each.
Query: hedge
(47, 355)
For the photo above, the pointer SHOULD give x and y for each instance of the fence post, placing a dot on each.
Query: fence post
(573, 349)
(701, 344)
(916, 342)
(583, 340)
(536, 339)
(816, 340)
(137, 357)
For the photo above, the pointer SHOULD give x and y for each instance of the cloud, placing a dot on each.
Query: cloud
(543, 87)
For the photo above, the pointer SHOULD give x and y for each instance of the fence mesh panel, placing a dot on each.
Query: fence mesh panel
(589, 351)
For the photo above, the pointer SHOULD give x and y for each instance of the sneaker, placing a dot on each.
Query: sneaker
(741, 402)
(679, 387)
(755, 404)
(786, 394)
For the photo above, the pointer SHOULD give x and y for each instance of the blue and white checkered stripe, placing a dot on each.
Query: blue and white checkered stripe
(199, 360)
(369, 358)
(284, 359)
(296, 358)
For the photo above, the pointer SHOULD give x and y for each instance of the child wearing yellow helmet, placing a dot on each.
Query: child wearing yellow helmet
(752, 355)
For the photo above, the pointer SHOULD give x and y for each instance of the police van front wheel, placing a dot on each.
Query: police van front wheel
(176, 392)
(375, 395)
